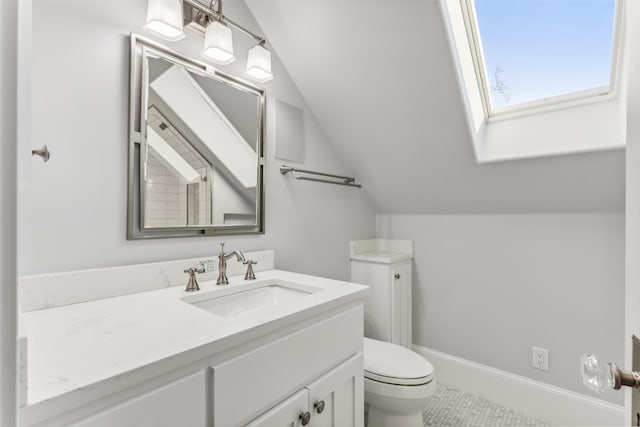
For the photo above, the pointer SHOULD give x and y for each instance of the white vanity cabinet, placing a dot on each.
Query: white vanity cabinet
(180, 365)
(315, 368)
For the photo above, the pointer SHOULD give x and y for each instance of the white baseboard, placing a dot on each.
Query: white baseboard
(551, 404)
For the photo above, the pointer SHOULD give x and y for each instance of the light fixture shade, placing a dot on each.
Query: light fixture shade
(218, 43)
(259, 64)
(164, 19)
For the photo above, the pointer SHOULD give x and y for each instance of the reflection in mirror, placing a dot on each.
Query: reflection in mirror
(177, 179)
(200, 150)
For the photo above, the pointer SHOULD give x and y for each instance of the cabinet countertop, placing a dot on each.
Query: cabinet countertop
(80, 346)
(382, 257)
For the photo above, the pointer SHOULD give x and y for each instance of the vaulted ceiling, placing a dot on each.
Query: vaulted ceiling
(380, 79)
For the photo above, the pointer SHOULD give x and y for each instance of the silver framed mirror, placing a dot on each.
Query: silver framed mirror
(196, 141)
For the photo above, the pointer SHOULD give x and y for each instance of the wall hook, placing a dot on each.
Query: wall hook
(42, 152)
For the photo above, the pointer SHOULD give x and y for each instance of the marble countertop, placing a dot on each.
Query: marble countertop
(382, 257)
(382, 251)
(80, 345)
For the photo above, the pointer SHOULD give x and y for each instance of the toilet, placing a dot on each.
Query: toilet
(398, 382)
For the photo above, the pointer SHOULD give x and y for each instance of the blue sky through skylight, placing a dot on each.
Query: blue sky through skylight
(544, 48)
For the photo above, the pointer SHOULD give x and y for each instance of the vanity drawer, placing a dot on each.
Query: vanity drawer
(180, 403)
(249, 385)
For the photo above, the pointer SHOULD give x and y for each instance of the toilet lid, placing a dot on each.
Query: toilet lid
(394, 364)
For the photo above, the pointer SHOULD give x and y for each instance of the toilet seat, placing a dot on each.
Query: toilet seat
(394, 391)
(397, 381)
(393, 364)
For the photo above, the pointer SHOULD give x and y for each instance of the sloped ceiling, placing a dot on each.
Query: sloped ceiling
(379, 77)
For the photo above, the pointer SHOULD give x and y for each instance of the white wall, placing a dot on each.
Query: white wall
(488, 287)
(395, 102)
(73, 215)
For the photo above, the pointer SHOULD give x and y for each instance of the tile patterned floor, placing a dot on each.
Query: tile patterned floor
(450, 407)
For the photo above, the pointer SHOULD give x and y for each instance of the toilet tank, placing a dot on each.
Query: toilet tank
(385, 266)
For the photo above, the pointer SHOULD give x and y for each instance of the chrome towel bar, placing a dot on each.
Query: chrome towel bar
(345, 180)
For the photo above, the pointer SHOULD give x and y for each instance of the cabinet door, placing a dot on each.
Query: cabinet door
(337, 398)
(401, 304)
(286, 414)
(180, 403)
(377, 310)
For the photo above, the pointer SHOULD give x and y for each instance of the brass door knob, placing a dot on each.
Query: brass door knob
(319, 406)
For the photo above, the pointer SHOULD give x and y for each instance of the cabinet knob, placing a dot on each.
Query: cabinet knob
(319, 406)
(305, 417)
(397, 276)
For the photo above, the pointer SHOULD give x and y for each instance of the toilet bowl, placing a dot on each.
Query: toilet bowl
(398, 383)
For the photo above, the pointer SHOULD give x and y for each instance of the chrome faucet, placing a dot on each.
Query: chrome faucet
(222, 264)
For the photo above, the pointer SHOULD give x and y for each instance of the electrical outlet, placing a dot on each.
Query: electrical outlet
(208, 264)
(540, 358)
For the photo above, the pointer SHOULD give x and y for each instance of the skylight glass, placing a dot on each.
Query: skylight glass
(534, 50)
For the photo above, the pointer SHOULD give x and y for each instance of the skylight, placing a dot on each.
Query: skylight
(532, 53)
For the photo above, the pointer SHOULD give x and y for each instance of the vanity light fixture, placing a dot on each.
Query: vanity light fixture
(162, 18)
(218, 43)
(259, 64)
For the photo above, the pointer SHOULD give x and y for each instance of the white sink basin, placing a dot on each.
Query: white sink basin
(258, 298)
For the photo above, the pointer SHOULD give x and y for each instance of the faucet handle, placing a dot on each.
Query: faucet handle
(192, 285)
(195, 269)
(249, 275)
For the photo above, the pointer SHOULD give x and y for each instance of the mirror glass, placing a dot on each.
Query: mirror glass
(199, 168)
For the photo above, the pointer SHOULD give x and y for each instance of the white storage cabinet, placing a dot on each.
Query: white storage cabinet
(385, 266)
